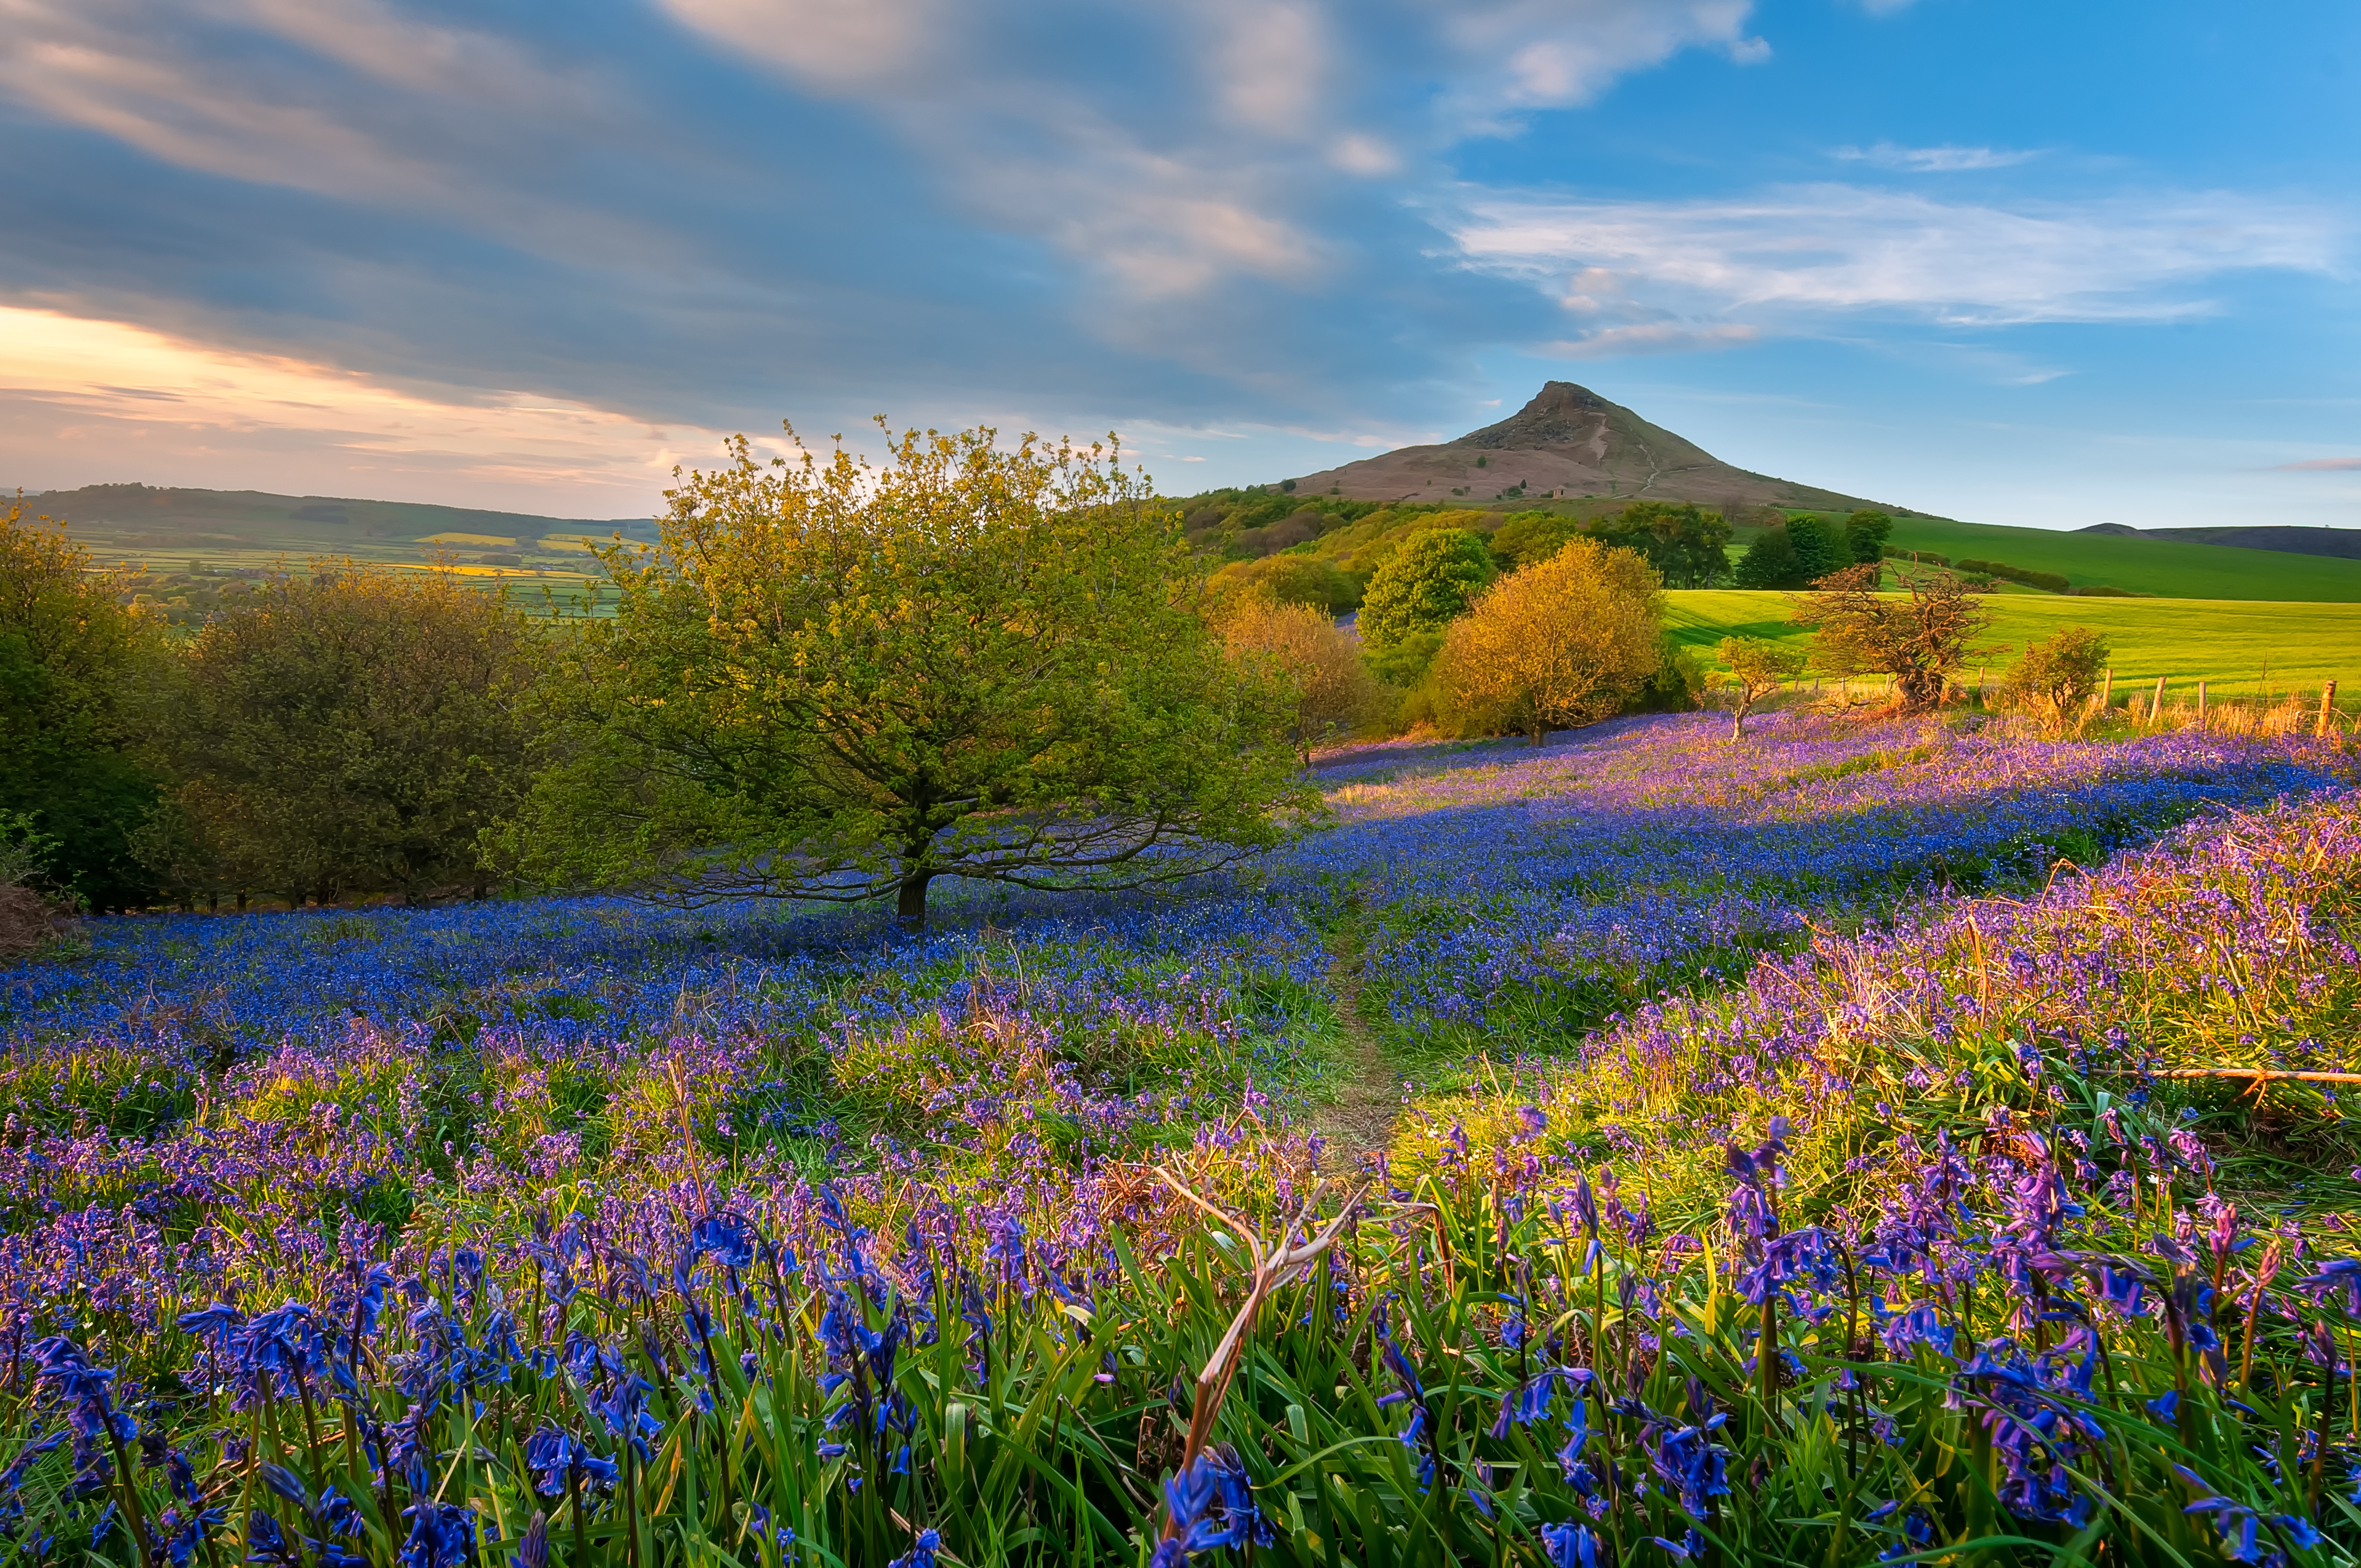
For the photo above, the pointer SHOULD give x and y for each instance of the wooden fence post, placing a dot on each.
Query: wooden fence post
(2327, 708)
(2200, 704)
(2107, 689)
(2155, 709)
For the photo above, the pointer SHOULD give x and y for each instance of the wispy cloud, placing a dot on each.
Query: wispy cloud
(2323, 466)
(1945, 159)
(1651, 338)
(1825, 249)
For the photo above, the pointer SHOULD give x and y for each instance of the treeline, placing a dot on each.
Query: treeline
(824, 682)
(353, 729)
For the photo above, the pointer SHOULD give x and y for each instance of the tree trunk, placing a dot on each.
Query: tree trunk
(910, 906)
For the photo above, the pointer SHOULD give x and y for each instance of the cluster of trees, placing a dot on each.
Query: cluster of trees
(348, 730)
(837, 681)
(1808, 547)
(1568, 631)
(825, 682)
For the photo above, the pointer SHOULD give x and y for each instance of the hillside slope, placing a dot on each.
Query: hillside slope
(253, 527)
(1568, 443)
(2144, 564)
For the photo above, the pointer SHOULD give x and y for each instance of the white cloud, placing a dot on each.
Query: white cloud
(1944, 159)
(1162, 206)
(1651, 338)
(1834, 249)
(1524, 54)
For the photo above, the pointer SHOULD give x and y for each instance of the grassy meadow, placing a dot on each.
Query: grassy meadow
(2167, 568)
(1642, 1148)
(2243, 648)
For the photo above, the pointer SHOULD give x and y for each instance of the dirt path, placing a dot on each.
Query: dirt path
(1361, 1121)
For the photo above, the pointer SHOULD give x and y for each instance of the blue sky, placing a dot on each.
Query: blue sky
(2009, 261)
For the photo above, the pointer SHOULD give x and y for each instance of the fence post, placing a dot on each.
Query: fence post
(2107, 689)
(2155, 709)
(2200, 704)
(2327, 708)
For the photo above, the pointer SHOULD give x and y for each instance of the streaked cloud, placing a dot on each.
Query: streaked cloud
(1829, 249)
(1946, 159)
(2323, 466)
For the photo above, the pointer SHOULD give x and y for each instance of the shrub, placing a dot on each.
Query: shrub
(1565, 642)
(2056, 678)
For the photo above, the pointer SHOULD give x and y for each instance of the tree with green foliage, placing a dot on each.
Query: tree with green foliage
(1288, 580)
(1688, 546)
(1760, 667)
(2057, 679)
(1424, 584)
(1921, 636)
(1527, 538)
(1819, 548)
(1865, 534)
(1301, 649)
(74, 662)
(1564, 642)
(1770, 562)
(839, 682)
(351, 730)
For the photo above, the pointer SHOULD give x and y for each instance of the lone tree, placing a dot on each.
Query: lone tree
(1568, 642)
(1920, 636)
(1760, 666)
(1306, 653)
(1865, 533)
(835, 682)
(2057, 679)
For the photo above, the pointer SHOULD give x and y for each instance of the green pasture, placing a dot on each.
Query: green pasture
(2243, 647)
(2166, 568)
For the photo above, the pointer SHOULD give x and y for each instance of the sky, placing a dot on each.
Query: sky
(2005, 260)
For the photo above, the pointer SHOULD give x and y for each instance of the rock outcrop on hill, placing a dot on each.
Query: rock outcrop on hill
(1567, 444)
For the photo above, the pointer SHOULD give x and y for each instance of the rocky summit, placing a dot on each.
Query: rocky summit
(1568, 443)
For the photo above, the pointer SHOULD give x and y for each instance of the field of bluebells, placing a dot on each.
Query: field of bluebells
(1825, 1149)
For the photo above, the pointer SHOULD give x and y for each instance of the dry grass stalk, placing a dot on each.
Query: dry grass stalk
(1280, 1263)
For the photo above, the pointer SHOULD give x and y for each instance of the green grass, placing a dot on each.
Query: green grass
(2143, 565)
(2239, 645)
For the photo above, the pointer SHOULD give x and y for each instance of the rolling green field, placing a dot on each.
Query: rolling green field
(2238, 645)
(2166, 568)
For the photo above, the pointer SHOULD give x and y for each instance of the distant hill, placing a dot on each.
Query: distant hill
(254, 528)
(2342, 544)
(1567, 444)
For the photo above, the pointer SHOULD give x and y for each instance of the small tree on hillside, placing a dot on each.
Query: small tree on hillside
(1865, 534)
(1568, 642)
(2057, 679)
(1761, 667)
(1305, 652)
(838, 683)
(1424, 585)
(1920, 636)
